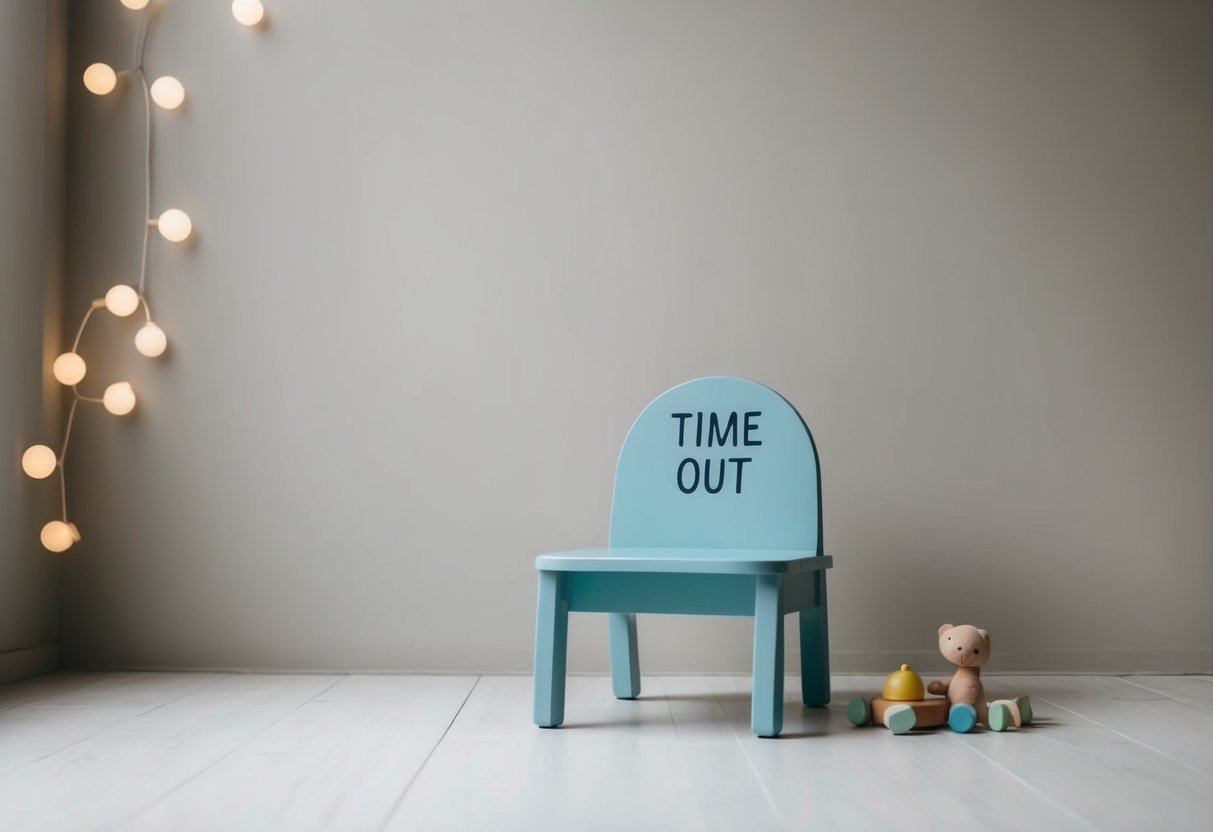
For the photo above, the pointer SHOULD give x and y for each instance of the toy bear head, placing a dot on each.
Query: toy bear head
(965, 645)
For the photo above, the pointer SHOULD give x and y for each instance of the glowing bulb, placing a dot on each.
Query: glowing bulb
(168, 92)
(68, 369)
(58, 536)
(248, 12)
(174, 225)
(151, 340)
(122, 300)
(135, 5)
(100, 79)
(39, 461)
(119, 398)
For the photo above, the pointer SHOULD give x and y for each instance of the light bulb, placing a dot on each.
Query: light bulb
(68, 369)
(39, 461)
(174, 225)
(122, 300)
(248, 12)
(100, 79)
(135, 5)
(151, 340)
(168, 92)
(58, 536)
(119, 398)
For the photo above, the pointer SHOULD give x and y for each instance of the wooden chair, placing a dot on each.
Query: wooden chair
(716, 511)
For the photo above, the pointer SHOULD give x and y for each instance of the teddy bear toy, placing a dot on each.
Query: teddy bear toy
(968, 648)
(959, 703)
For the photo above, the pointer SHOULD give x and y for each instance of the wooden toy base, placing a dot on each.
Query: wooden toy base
(928, 713)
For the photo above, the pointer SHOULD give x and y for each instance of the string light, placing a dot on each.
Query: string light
(100, 79)
(248, 12)
(58, 535)
(150, 340)
(119, 398)
(167, 92)
(38, 461)
(69, 369)
(174, 225)
(122, 300)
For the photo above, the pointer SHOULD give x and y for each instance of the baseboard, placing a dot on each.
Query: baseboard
(24, 662)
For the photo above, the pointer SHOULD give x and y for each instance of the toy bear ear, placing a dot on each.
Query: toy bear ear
(944, 628)
(984, 634)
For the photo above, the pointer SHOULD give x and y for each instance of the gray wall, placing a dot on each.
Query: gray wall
(31, 127)
(447, 251)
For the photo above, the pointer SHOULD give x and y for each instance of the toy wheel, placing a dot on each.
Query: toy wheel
(962, 718)
(859, 711)
(999, 718)
(1025, 709)
(900, 719)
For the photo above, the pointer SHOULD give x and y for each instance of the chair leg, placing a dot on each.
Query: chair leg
(625, 659)
(815, 647)
(551, 648)
(766, 708)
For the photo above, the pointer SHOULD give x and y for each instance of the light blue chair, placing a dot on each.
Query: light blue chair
(717, 511)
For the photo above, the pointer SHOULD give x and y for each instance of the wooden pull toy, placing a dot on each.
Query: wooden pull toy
(959, 703)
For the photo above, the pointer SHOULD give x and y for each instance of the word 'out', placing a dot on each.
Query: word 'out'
(721, 432)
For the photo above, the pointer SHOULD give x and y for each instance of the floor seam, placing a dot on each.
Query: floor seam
(47, 695)
(1167, 696)
(762, 786)
(227, 754)
(109, 727)
(1134, 740)
(395, 807)
(1065, 809)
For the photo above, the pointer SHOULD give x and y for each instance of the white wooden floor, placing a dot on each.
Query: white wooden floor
(168, 751)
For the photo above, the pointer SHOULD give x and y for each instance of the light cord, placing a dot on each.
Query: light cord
(137, 53)
(150, 340)
(147, 173)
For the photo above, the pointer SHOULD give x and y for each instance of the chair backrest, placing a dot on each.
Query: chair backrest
(721, 463)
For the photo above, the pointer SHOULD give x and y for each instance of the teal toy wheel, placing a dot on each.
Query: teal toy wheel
(900, 719)
(1000, 718)
(1025, 709)
(859, 711)
(962, 718)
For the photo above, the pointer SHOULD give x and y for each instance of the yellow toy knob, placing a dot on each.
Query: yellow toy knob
(904, 685)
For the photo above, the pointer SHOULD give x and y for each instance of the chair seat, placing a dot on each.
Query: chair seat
(698, 561)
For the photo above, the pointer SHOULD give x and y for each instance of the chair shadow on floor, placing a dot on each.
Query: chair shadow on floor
(732, 708)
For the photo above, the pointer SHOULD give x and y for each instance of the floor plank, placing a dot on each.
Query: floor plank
(44, 687)
(726, 784)
(47, 715)
(1194, 690)
(1179, 730)
(154, 751)
(825, 773)
(616, 765)
(1110, 778)
(123, 690)
(684, 757)
(340, 762)
(102, 780)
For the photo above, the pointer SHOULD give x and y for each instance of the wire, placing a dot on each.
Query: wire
(83, 324)
(147, 174)
(137, 54)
